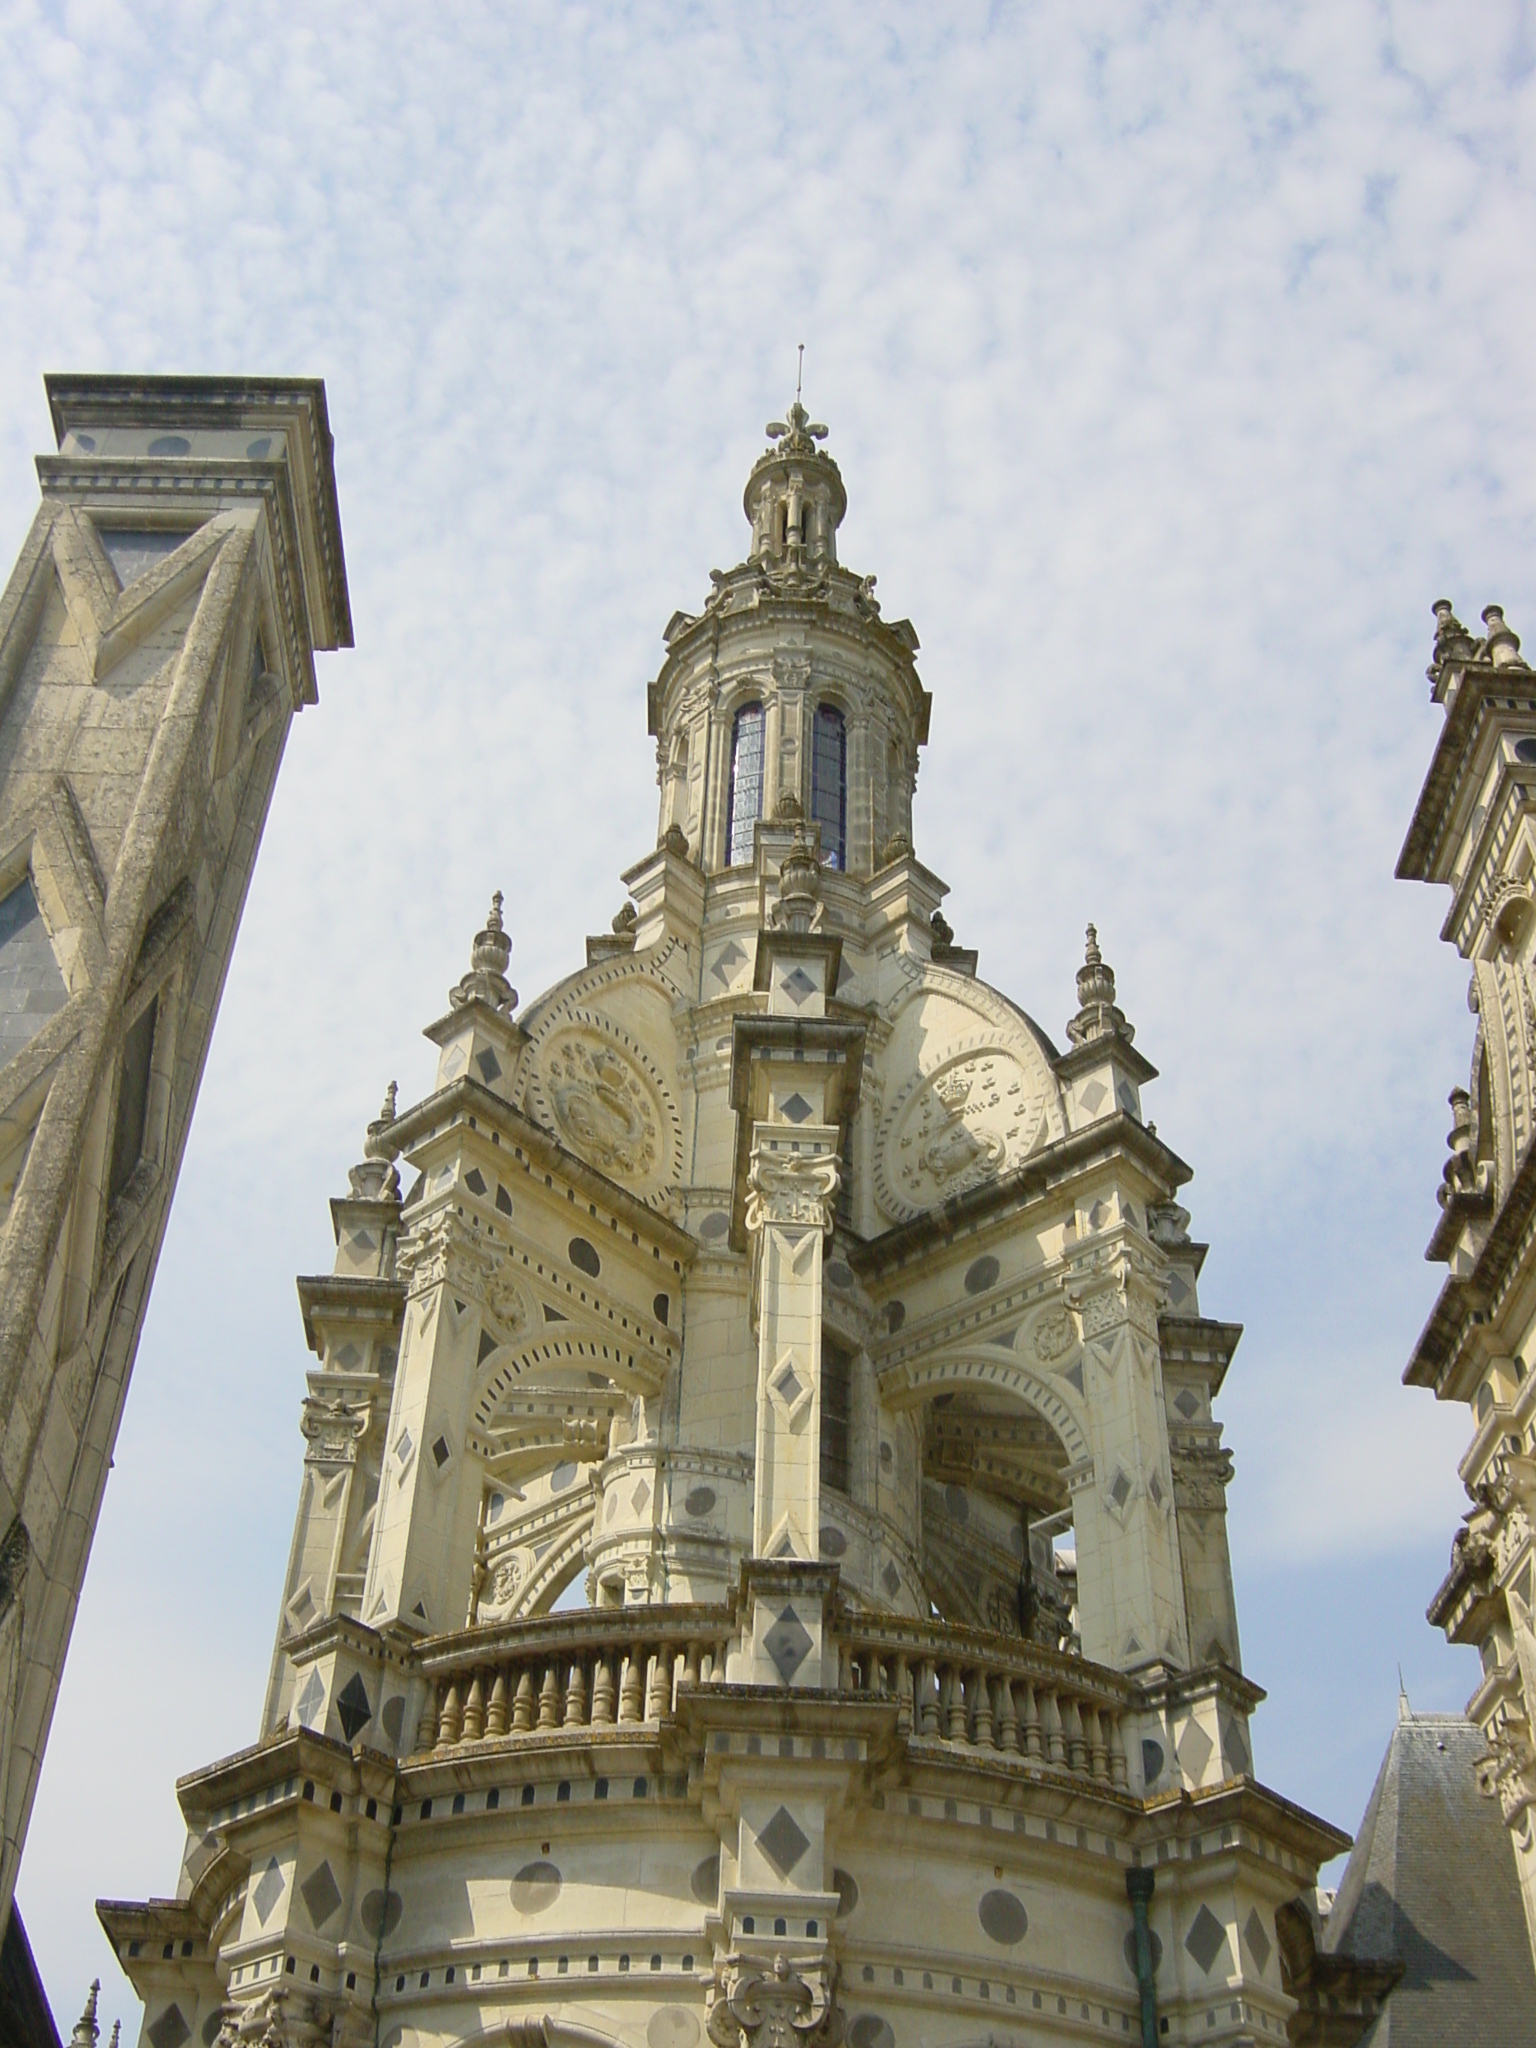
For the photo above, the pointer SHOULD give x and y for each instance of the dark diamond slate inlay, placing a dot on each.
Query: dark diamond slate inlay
(475, 1181)
(311, 1700)
(798, 985)
(797, 1109)
(170, 2030)
(783, 1841)
(269, 1889)
(1257, 1940)
(31, 986)
(1206, 1939)
(320, 1894)
(489, 1065)
(788, 1644)
(353, 1710)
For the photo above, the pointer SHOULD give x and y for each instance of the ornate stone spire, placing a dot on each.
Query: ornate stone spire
(1097, 1016)
(1503, 642)
(87, 2033)
(795, 497)
(486, 981)
(375, 1178)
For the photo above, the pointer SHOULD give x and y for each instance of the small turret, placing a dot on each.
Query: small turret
(1097, 1016)
(794, 497)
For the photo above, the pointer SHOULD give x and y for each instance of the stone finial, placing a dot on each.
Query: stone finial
(799, 906)
(117, 2028)
(1097, 1016)
(674, 841)
(626, 920)
(486, 981)
(1503, 643)
(374, 1179)
(943, 931)
(87, 2033)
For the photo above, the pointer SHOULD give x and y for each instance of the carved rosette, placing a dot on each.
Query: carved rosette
(792, 1189)
(781, 2008)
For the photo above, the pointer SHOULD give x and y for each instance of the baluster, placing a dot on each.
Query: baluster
(980, 1689)
(576, 1696)
(931, 1700)
(522, 1704)
(954, 1702)
(426, 1726)
(1007, 1718)
(1098, 1754)
(496, 1715)
(603, 1692)
(904, 1714)
(452, 1719)
(631, 1692)
(691, 1664)
(474, 1711)
(1072, 1728)
(846, 1680)
(1050, 1720)
(549, 1699)
(657, 1689)
(1033, 1745)
(1119, 1770)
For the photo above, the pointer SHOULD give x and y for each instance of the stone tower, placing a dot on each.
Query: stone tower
(156, 638)
(778, 1286)
(1474, 830)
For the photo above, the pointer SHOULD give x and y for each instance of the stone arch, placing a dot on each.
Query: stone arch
(920, 1379)
(561, 1348)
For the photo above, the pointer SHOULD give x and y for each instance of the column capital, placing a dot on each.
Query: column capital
(793, 1180)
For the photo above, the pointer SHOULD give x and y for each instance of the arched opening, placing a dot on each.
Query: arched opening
(997, 1548)
(829, 783)
(744, 805)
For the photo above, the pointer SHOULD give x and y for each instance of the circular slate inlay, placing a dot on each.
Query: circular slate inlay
(715, 1224)
(981, 1274)
(957, 1503)
(535, 1887)
(583, 1257)
(1525, 750)
(833, 1542)
(1003, 1918)
(170, 444)
(705, 1881)
(895, 1315)
(870, 2031)
(838, 1274)
(379, 1918)
(672, 2026)
(701, 1499)
(1130, 1952)
(847, 1893)
(562, 1477)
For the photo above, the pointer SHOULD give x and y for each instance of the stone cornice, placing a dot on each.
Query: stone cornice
(466, 1097)
(1045, 1170)
(360, 1297)
(1467, 1303)
(1197, 1340)
(1454, 748)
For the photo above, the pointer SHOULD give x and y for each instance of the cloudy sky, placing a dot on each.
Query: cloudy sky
(1176, 358)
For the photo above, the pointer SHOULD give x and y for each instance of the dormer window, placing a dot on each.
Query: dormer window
(829, 784)
(746, 792)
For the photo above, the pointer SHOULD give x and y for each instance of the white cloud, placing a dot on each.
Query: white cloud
(1175, 361)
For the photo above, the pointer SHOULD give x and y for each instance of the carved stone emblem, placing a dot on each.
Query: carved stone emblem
(1053, 1336)
(755, 2008)
(508, 1305)
(969, 1117)
(607, 1101)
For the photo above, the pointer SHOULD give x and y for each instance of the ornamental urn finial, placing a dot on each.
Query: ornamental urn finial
(486, 981)
(799, 903)
(374, 1179)
(1097, 1016)
(86, 2031)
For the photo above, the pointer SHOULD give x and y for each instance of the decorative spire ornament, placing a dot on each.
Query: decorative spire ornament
(1097, 1016)
(375, 1178)
(87, 2033)
(486, 981)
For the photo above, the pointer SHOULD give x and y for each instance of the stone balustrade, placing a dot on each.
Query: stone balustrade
(981, 1692)
(956, 1688)
(615, 1668)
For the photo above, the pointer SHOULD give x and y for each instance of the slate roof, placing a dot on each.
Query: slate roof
(1431, 1880)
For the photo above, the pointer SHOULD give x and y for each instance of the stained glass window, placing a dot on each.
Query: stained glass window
(746, 793)
(829, 784)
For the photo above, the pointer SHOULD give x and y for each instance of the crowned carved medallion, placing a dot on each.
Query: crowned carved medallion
(975, 1112)
(605, 1098)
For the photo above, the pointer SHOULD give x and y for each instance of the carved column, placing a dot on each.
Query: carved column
(792, 1190)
